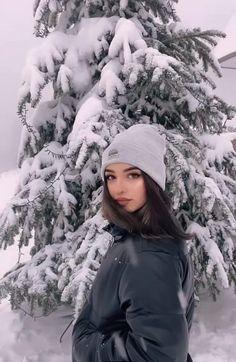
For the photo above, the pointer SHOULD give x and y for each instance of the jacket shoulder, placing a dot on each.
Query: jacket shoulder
(133, 247)
(175, 247)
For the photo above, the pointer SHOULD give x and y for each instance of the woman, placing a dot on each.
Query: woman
(140, 307)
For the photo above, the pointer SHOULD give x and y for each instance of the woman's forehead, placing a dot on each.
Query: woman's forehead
(120, 167)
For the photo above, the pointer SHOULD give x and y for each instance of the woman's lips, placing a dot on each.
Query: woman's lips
(123, 201)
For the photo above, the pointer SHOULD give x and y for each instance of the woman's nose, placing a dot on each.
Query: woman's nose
(120, 186)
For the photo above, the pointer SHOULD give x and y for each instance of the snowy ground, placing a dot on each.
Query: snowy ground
(24, 339)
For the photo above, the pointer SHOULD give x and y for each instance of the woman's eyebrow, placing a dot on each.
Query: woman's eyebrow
(126, 170)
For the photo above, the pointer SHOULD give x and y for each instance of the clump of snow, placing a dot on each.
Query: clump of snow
(127, 34)
(93, 30)
(110, 83)
(231, 125)
(92, 107)
(8, 184)
(71, 53)
(216, 257)
(9, 257)
(123, 4)
(218, 145)
(53, 5)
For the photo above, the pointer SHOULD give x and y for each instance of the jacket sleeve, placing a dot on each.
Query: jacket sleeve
(151, 296)
(84, 337)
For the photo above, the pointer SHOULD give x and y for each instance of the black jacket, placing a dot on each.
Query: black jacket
(140, 307)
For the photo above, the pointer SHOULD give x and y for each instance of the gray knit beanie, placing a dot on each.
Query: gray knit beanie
(142, 146)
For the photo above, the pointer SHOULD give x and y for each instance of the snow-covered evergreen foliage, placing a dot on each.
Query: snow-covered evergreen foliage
(110, 64)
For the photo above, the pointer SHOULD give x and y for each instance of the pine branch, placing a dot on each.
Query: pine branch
(59, 156)
(66, 329)
(22, 113)
(42, 193)
(194, 34)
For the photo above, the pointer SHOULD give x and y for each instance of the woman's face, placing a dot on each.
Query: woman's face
(126, 185)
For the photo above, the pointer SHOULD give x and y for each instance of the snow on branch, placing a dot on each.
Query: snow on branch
(35, 276)
(45, 15)
(40, 67)
(123, 4)
(87, 246)
(54, 115)
(110, 84)
(65, 58)
(95, 31)
(163, 9)
(83, 126)
(127, 35)
(218, 146)
(202, 44)
(149, 66)
(213, 252)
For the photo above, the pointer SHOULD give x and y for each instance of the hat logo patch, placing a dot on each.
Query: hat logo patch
(113, 153)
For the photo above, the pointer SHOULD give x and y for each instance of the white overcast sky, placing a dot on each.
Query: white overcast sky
(207, 14)
(16, 38)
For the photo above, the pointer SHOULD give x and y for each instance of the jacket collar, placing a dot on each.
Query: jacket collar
(116, 231)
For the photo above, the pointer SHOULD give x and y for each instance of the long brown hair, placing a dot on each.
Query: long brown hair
(154, 220)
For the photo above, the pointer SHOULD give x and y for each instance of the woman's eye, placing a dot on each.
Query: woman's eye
(108, 177)
(130, 175)
(134, 175)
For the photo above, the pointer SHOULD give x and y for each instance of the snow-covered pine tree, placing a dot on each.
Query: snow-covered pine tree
(109, 64)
